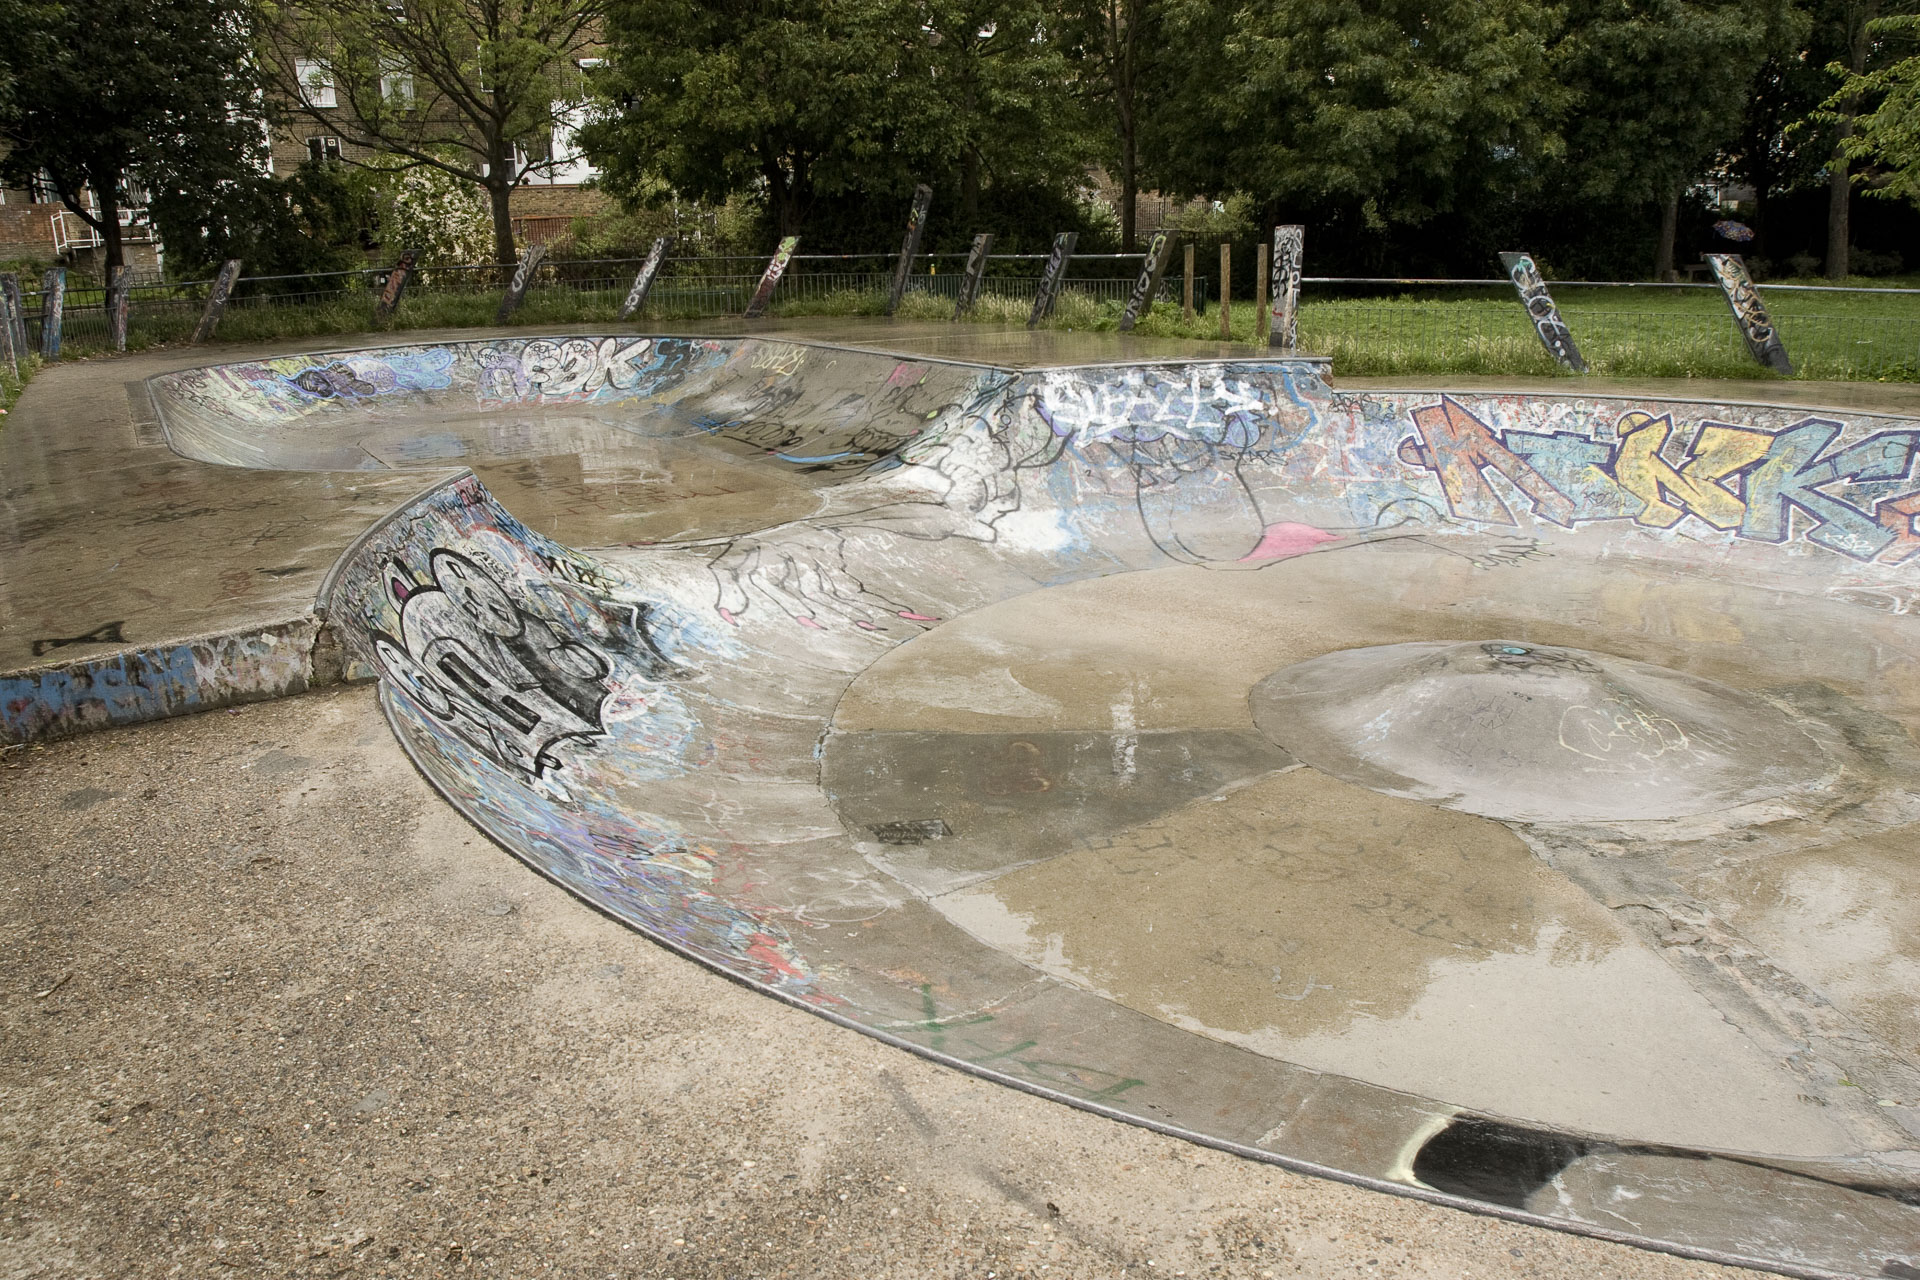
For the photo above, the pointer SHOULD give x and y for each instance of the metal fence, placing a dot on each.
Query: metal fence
(1368, 326)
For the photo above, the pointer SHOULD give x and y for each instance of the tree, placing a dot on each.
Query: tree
(1397, 110)
(1115, 40)
(1662, 86)
(112, 96)
(799, 98)
(477, 89)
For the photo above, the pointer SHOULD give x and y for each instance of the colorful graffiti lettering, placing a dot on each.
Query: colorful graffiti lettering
(1742, 480)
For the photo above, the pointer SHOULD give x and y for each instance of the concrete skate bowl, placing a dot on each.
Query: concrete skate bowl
(1506, 801)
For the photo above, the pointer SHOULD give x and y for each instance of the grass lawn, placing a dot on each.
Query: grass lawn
(1623, 331)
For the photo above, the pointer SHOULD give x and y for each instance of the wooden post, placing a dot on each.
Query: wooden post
(1749, 313)
(10, 287)
(976, 272)
(396, 286)
(776, 267)
(119, 305)
(1146, 287)
(916, 225)
(1283, 329)
(1053, 276)
(1553, 331)
(1226, 292)
(1186, 311)
(53, 309)
(643, 283)
(217, 300)
(6, 334)
(1260, 294)
(517, 287)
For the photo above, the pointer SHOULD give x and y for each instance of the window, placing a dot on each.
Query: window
(316, 82)
(323, 148)
(396, 85)
(40, 189)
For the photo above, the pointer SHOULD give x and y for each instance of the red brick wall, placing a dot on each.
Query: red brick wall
(26, 230)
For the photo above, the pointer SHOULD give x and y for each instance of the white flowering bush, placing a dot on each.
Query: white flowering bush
(442, 218)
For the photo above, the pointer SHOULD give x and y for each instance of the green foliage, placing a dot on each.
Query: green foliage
(810, 102)
(111, 93)
(316, 219)
(437, 215)
(453, 85)
(1888, 135)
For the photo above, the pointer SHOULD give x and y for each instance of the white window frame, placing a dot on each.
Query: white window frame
(316, 82)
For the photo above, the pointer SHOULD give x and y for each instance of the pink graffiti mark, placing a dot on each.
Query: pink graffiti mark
(728, 615)
(911, 616)
(808, 622)
(866, 626)
(1287, 538)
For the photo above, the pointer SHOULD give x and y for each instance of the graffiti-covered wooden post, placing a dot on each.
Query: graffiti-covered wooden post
(517, 287)
(396, 286)
(217, 300)
(916, 225)
(770, 279)
(1186, 307)
(976, 272)
(1283, 324)
(1146, 286)
(53, 310)
(1056, 271)
(643, 283)
(119, 305)
(1749, 313)
(10, 287)
(1553, 331)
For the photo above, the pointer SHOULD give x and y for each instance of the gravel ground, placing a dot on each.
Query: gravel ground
(271, 1008)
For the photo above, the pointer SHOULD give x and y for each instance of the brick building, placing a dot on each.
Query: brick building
(36, 227)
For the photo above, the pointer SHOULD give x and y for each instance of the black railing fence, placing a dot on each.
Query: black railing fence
(1382, 325)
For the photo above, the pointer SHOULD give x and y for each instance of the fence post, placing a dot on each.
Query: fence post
(1186, 311)
(1261, 320)
(1056, 271)
(776, 267)
(397, 278)
(1749, 313)
(1283, 326)
(976, 272)
(1226, 293)
(53, 309)
(1146, 287)
(217, 301)
(10, 286)
(119, 304)
(1553, 331)
(916, 225)
(517, 287)
(643, 283)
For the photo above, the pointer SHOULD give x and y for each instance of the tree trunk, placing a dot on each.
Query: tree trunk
(1129, 192)
(1839, 199)
(500, 198)
(110, 233)
(1669, 231)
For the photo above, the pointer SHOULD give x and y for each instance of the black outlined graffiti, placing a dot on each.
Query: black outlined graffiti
(516, 685)
(333, 381)
(395, 288)
(916, 227)
(1289, 251)
(1749, 313)
(770, 280)
(643, 282)
(1051, 278)
(1553, 331)
(1146, 286)
(517, 287)
(976, 272)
